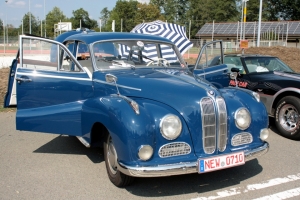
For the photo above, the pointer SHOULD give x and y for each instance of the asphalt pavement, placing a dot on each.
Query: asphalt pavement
(46, 166)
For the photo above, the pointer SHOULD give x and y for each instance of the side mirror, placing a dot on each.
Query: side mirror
(234, 69)
(233, 76)
(111, 78)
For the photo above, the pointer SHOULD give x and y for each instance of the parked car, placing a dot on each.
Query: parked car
(276, 83)
(141, 103)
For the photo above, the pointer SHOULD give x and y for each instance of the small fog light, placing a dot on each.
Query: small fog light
(264, 134)
(145, 152)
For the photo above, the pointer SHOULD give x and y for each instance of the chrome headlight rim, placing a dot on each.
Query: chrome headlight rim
(238, 125)
(162, 125)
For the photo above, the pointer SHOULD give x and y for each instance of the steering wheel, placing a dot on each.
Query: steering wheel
(159, 61)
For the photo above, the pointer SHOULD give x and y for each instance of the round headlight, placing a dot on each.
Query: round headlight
(170, 127)
(145, 152)
(242, 118)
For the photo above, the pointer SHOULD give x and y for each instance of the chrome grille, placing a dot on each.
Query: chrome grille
(241, 138)
(174, 149)
(222, 129)
(208, 125)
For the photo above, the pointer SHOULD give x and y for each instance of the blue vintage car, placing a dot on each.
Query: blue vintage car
(134, 95)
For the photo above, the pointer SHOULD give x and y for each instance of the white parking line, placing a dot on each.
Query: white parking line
(262, 185)
(282, 195)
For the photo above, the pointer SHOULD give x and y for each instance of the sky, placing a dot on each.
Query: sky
(14, 10)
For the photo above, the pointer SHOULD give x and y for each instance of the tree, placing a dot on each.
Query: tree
(35, 24)
(128, 14)
(252, 10)
(82, 16)
(147, 13)
(207, 11)
(1, 27)
(54, 17)
(284, 9)
(124, 15)
(174, 11)
(104, 16)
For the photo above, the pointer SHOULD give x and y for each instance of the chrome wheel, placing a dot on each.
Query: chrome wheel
(288, 117)
(111, 156)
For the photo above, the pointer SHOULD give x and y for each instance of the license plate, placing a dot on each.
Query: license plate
(220, 162)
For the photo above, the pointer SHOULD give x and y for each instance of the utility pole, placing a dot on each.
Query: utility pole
(259, 23)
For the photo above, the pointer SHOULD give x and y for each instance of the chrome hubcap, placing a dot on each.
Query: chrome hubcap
(111, 156)
(289, 117)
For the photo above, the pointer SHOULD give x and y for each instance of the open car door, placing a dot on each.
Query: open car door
(51, 87)
(209, 64)
(10, 98)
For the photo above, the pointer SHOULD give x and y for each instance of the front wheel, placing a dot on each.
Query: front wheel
(287, 117)
(111, 158)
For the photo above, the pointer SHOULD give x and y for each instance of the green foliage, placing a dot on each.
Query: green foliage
(1, 27)
(82, 16)
(124, 15)
(104, 16)
(35, 24)
(284, 9)
(128, 14)
(174, 11)
(54, 17)
(207, 11)
(147, 13)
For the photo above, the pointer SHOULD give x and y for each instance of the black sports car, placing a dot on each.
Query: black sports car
(277, 84)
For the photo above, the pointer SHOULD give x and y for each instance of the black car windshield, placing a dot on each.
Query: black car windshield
(266, 64)
(135, 53)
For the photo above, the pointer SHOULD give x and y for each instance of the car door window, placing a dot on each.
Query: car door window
(84, 56)
(46, 56)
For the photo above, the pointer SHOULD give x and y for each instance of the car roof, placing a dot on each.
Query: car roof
(64, 35)
(90, 37)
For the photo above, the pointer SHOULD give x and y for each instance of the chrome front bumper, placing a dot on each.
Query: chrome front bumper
(181, 168)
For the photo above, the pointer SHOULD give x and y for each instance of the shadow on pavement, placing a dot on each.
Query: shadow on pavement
(160, 186)
(71, 145)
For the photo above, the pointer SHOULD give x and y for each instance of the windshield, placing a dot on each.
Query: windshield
(266, 64)
(135, 53)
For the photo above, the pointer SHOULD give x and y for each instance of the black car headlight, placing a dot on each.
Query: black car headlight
(242, 118)
(170, 127)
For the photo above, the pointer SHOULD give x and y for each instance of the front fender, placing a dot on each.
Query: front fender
(236, 98)
(129, 130)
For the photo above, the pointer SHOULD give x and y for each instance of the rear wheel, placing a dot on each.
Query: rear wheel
(287, 117)
(111, 158)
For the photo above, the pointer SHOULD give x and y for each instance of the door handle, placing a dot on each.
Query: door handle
(24, 80)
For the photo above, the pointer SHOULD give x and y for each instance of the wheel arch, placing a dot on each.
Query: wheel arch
(98, 134)
(283, 93)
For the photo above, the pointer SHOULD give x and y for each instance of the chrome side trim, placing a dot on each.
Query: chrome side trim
(180, 168)
(51, 76)
(122, 86)
(83, 141)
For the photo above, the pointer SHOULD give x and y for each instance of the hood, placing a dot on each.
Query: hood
(173, 87)
(289, 75)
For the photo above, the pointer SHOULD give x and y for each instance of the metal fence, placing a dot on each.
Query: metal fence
(12, 44)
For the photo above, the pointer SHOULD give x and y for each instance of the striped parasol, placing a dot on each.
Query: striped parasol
(173, 32)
